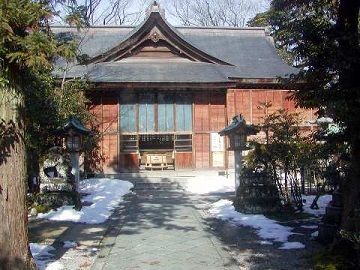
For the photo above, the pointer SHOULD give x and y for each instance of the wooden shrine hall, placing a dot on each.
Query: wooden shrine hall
(162, 93)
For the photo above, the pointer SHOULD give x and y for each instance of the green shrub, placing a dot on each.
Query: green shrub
(41, 208)
(327, 260)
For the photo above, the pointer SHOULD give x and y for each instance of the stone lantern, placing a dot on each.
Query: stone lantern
(237, 133)
(74, 131)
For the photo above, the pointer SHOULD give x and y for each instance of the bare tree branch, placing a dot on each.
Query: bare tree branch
(115, 12)
(233, 13)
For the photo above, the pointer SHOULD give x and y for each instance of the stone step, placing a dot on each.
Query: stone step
(156, 186)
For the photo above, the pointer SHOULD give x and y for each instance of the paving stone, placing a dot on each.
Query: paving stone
(162, 229)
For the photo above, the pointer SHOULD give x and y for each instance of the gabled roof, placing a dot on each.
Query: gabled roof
(155, 28)
(199, 54)
(238, 126)
(74, 124)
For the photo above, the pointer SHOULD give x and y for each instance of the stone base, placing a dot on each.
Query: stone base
(327, 232)
(332, 215)
(257, 194)
(257, 206)
(337, 199)
(56, 199)
(55, 185)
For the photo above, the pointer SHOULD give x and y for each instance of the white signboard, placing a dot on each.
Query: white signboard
(217, 142)
(218, 159)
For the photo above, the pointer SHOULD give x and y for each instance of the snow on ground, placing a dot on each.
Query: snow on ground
(69, 244)
(315, 234)
(292, 245)
(309, 226)
(322, 203)
(265, 243)
(76, 257)
(266, 228)
(207, 182)
(44, 259)
(104, 195)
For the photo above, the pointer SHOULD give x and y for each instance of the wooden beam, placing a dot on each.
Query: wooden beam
(124, 86)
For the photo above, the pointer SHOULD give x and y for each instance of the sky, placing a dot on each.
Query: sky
(134, 6)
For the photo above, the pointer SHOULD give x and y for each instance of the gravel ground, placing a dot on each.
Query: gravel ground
(77, 258)
(54, 233)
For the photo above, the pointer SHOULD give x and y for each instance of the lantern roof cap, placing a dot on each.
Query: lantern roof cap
(74, 124)
(238, 126)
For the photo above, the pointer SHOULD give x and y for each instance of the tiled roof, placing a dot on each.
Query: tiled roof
(250, 51)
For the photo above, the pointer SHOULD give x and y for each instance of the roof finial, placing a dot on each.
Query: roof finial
(155, 7)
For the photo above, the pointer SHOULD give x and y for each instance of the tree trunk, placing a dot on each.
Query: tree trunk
(351, 190)
(302, 179)
(14, 246)
(348, 38)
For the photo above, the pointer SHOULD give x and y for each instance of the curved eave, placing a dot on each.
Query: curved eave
(163, 85)
(156, 20)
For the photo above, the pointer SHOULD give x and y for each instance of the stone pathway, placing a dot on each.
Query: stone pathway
(161, 228)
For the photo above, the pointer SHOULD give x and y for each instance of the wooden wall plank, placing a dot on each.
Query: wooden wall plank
(110, 114)
(230, 105)
(183, 160)
(238, 102)
(129, 162)
(243, 104)
(248, 103)
(288, 104)
(201, 112)
(258, 97)
(202, 151)
(276, 100)
(217, 111)
(96, 110)
(110, 152)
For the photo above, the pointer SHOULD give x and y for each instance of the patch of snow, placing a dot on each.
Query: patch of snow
(206, 183)
(40, 250)
(266, 228)
(74, 258)
(44, 259)
(104, 193)
(315, 234)
(69, 244)
(324, 120)
(292, 245)
(265, 243)
(54, 266)
(322, 203)
(309, 226)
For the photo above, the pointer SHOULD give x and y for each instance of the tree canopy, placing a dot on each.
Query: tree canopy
(36, 103)
(321, 38)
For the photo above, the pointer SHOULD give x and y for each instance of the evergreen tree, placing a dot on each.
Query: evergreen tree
(29, 109)
(322, 39)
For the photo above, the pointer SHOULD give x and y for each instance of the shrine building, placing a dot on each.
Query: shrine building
(162, 93)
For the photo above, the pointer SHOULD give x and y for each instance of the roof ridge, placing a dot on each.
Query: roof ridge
(94, 26)
(222, 27)
(178, 27)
